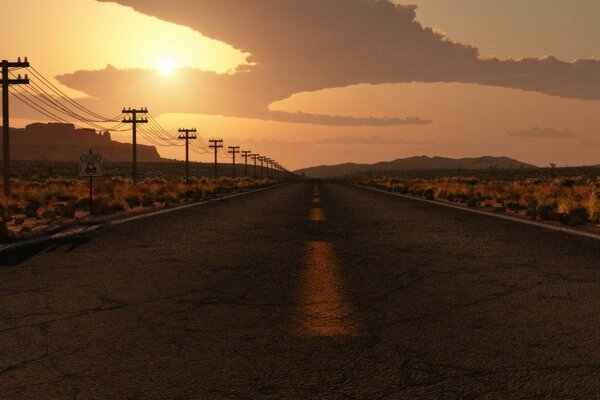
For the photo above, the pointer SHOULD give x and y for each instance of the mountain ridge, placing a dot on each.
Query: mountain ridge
(414, 163)
(66, 142)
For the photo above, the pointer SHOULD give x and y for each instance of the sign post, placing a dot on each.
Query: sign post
(90, 165)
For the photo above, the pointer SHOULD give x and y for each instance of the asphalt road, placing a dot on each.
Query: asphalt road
(305, 291)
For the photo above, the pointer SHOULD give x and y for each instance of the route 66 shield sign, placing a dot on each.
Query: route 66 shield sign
(90, 165)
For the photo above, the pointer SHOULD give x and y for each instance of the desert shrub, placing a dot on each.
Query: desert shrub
(147, 200)
(472, 202)
(101, 207)
(14, 209)
(545, 212)
(83, 203)
(4, 233)
(133, 201)
(118, 205)
(31, 209)
(593, 208)
(429, 194)
(69, 209)
(49, 214)
(575, 217)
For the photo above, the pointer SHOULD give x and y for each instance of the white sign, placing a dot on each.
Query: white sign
(90, 165)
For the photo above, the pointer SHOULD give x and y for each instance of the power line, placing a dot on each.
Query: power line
(38, 97)
(61, 94)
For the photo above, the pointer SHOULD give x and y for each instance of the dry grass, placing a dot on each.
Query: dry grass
(53, 200)
(572, 200)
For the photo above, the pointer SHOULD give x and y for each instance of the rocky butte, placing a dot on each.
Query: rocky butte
(64, 142)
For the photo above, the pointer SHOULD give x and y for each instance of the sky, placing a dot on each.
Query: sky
(310, 82)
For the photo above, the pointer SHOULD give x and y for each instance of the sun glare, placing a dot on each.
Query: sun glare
(166, 66)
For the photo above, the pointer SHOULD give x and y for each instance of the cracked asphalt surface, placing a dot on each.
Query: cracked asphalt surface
(304, 292)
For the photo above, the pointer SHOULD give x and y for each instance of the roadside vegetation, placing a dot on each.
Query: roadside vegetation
(571, 200)
(40, 202)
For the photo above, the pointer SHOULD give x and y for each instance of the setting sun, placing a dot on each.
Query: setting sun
(166, 66)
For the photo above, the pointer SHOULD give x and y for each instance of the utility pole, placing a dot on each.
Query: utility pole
(215, 144)
(186, 136)
(246, 154)
(254, 158)
(262, 168)
(269, 167)
(133, 120)
(234, 150)
(6, 82)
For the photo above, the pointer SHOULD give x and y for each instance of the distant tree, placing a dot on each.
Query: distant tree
(552, 165)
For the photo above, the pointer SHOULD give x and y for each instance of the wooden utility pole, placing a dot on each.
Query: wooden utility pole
(133, 120)
(185, 135)
(254, 158)
(262, 168)
(268, 160)
(246, 154)
(234, 150)
(6, 82)
(215, 144)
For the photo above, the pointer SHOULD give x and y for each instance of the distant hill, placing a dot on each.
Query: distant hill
(414, 163)
(64, 142)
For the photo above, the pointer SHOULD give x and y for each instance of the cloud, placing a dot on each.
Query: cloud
(230, 95)
(537, 132)
(308, 45)
(588, 144)
(373, 140)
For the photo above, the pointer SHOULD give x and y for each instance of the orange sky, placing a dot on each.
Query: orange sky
(468, 119)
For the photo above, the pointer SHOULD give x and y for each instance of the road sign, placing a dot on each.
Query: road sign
(90, 165)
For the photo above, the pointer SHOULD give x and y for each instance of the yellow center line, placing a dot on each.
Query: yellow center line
(317, 214)
(324, 309)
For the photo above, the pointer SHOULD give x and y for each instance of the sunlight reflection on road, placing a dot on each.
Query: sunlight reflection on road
(317, 215)
(324, 309)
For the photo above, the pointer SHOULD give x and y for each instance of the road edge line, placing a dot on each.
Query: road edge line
(92, 228)
(561, 229)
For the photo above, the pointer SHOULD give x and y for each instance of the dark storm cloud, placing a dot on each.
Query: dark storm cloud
(307, 45)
